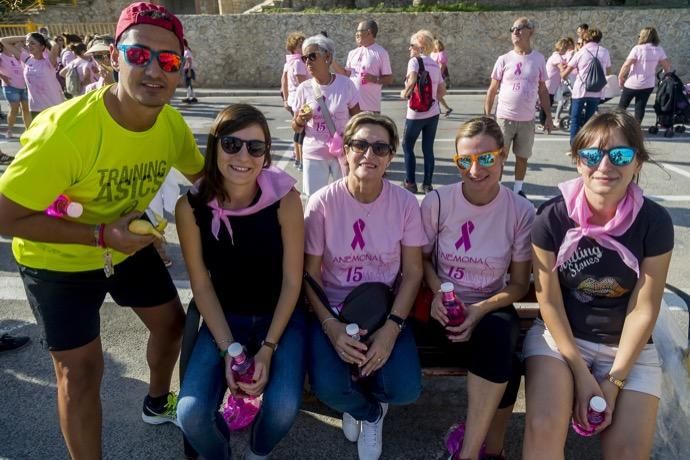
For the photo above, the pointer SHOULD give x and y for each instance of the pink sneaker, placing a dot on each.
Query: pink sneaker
(456, 434)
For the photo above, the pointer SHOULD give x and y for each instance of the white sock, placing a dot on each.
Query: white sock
(517, 186)
(190, 93)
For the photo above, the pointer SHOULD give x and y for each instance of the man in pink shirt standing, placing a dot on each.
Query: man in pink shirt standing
(521, 75)
(368, 66)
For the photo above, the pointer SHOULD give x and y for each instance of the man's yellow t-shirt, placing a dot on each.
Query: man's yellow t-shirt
(77, 149)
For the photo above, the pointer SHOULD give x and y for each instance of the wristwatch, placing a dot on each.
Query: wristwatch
(397, 320)
(271, 345)
(619, 383)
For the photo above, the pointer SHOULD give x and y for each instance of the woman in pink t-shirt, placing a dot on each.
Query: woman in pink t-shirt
(83, 66)
(189, 71)
(364, 229)
(424, 123)
(322, 151)
(638, 74)
(441, 57)
(294, 73)
(13, 86)
(40, 64)
(479, 232)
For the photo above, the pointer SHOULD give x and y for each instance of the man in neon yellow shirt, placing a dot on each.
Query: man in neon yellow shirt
(110, 151)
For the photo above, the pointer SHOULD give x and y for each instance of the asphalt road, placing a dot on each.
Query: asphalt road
(29, 427)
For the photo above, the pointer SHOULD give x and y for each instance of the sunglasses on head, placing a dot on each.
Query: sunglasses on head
(380, 149)
(518, 29)
(311, 57)
(141, 56)
(485, 160)
(618, 156)
(232, 145)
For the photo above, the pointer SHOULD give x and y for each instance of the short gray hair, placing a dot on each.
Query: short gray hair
(325, 43)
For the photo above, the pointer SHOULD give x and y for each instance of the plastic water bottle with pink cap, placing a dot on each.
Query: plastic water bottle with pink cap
(64, 206)
(595, 416)
(241, 409)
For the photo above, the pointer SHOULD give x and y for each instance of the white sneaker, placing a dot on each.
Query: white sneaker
(351, 427)
(370, 442)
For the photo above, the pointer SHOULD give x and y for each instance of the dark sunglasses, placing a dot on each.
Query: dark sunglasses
(141, 56)
(518, 29)
(485, 160)
(618, 156)
(311, 57)
(232, 145)
(100, 57)
(380, 149)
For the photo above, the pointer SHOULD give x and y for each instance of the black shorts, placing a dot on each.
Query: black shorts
(298, 137)
(66, 304)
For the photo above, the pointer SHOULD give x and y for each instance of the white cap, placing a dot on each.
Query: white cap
(352, 329)
(75, 209)
(235, 349)
(597, 404)
(447, 287)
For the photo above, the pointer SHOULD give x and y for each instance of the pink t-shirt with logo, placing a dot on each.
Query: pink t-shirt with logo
(519, 75)
(642, 73)
(553, 72)
(360, 242)
(11, 68)
(441, 57)
(435, 73)
(44, 88)
(294, 67)
(341, 95)
(372, 60)
(581, 61)
(477, 243)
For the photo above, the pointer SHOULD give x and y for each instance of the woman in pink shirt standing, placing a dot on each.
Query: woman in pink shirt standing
(40, 67)
(363, 229)
(479, 232)
(14, 87)
(441, 57)
(638, 74)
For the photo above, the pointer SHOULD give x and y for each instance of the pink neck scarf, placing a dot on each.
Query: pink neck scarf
(578, 210)
(274, 184)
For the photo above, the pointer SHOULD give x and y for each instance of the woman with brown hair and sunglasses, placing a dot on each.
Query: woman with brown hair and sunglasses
(479, 232)
(242, 236)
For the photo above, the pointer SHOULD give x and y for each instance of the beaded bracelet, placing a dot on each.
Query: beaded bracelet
(323, 323)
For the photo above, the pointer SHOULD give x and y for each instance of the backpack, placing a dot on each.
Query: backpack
(72, 81)
(595, 79)
(421, 98)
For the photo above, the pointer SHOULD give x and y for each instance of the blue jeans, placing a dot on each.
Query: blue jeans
(413, 128)
(577, 120)
(399, 381)
(204, 385)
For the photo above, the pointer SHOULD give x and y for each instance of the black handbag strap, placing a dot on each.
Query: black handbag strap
(318, 290)
(438, 231)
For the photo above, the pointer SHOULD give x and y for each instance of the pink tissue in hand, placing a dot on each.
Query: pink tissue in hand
(239, 412)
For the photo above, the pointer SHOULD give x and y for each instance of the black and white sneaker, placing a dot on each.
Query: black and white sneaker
(160, 410)
(12, 342)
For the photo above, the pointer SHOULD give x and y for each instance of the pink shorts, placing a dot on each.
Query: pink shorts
(645, 375)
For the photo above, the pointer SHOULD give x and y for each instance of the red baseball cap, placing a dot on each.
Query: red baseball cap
(149, 13)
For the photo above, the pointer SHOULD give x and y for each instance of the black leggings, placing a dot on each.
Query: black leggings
(641, 97)
(490, 352)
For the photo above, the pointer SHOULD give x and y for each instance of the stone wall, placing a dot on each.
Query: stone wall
(248, 50)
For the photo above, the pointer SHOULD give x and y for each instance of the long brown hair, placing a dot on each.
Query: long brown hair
(231, 119)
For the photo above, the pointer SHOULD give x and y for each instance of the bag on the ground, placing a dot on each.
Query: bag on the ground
(72, 81)
(595, 78)
(422, 98)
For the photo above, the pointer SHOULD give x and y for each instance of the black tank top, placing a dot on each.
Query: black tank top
(247, 271)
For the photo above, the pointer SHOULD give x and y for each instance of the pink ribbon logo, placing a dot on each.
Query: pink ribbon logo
(464, 240)
(358, 227)
(518, 68)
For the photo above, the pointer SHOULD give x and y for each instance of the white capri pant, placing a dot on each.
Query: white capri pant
(316, 174)
(645, 375)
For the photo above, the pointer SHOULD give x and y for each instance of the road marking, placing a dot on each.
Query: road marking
(676, 169)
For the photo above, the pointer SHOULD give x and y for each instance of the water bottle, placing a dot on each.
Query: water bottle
(241, 409)
(362, 76)
(454, 307)
(595, 416)
(63, 206)
(352, 330)
(242, 366)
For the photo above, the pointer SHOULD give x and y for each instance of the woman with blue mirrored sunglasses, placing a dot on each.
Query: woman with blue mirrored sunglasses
(601, 254)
